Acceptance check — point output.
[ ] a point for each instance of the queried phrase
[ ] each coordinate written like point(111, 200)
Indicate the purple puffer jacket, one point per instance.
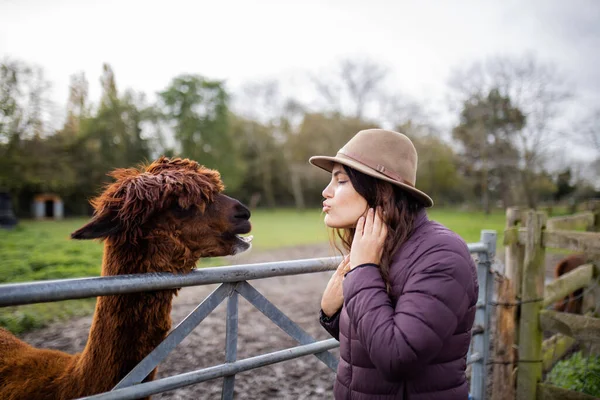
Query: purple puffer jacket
point(413, 343)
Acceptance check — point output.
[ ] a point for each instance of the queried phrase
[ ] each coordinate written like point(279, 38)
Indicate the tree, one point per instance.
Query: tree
point(264, 122)
point(563, 184)
point(318, 134)
point(589, 135)
point(437, 171)
point(101, 140)
point(24, 107)
point(486, 130)
point(263, 158)
point(350, 88)
point(77, 106)
point(288, 127)
point(198, 109)
point(115, 130)
point(538, 89)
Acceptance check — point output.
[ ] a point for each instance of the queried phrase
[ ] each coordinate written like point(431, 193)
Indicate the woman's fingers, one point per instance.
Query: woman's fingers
point(369, 222)
point(360, 225)
point(344, 264)
point(383, 233)
point(383, 226)
point(377, 222)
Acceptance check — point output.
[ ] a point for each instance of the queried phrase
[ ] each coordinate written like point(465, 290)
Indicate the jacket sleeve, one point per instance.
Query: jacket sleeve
point(402, 339)
point(331, 324)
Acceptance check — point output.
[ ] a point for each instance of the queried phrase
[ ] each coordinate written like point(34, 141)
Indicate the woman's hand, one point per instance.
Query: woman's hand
point(333, 296)
point(367, 245)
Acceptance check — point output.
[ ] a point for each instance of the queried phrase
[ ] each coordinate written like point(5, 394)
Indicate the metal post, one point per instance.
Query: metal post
point(481, 342)
point(488, 237)
point(231, 337)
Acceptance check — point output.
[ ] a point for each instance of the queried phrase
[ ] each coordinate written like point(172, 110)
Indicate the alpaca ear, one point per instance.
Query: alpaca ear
point(100, 227)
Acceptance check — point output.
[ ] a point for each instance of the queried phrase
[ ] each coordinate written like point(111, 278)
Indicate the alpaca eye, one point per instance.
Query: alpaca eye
point(181, 212)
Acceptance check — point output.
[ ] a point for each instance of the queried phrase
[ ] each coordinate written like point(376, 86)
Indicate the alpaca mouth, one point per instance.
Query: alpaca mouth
point(242, 244)
point(246, 239)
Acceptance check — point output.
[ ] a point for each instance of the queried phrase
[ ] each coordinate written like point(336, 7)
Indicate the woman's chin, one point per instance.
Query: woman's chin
point(331, 223)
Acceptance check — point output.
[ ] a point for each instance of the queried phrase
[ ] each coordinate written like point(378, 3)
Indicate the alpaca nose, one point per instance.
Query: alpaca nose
point(241, 212)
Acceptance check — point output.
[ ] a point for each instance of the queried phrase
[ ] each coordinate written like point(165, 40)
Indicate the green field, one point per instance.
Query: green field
point(43, 250)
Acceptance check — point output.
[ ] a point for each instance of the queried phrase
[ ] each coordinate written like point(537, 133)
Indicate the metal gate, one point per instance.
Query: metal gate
point(233, 283)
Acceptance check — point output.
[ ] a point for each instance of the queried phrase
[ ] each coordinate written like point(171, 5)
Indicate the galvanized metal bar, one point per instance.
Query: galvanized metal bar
point(478, 369)
point(476, 357)
point(282, 321)
point(231, 336)
point(489, 238)
point(190, 378)
point(481, 341)
point(477, 247)
point(65, 289)
point(176, 336)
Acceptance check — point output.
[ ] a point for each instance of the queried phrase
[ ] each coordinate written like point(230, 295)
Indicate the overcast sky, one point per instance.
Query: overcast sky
point(149, 42)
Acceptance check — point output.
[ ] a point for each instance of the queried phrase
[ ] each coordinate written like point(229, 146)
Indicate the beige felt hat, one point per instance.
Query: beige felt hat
point(383, 154)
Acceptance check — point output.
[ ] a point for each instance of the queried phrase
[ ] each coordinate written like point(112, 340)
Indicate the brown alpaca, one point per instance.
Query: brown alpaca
point(573, 302)
point(160, 218)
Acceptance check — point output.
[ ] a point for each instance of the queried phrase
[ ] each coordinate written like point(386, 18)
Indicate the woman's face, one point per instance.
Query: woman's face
point(342, 205)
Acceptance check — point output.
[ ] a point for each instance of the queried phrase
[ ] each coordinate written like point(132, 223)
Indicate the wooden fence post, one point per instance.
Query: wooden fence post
point(529, 372)
point(503, 378)
point(591, 303)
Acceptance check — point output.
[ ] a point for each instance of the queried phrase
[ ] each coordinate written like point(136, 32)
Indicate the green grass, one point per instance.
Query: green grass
point(43, 250)
point(286, 227)
point(469, 224)
point(281, 228)
point(40, 251)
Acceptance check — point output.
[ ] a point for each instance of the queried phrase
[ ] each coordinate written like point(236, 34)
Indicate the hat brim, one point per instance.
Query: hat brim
point(326, 163)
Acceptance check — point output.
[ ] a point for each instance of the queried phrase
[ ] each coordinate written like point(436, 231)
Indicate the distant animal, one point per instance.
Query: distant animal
point(572, 303)
point(161, 217)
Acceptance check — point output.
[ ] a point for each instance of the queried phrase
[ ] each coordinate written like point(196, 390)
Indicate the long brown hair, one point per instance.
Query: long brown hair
point(400, 209)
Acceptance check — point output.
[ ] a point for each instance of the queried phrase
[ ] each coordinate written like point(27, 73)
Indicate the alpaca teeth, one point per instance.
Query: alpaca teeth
point(247, 239)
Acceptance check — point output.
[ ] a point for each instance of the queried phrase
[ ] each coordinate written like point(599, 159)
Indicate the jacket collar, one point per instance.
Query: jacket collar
point(421, 219)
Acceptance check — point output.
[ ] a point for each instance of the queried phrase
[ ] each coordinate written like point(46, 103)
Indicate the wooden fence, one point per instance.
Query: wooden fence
point(521, 355)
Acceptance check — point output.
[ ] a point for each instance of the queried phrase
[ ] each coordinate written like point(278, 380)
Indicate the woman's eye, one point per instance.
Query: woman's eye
point(341, 182)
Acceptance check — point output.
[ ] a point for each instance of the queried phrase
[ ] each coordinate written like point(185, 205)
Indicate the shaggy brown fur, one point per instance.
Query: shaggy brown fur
point(573, 302)
point(160, 218)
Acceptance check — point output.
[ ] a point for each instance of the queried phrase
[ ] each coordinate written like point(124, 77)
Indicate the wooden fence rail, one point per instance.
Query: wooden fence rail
point(568, 240)
point(579, 278)
point(579, 327)
point(523, 297)
point(572, 222)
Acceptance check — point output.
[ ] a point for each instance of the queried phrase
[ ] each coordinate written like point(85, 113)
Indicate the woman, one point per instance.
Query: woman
point(402, 303)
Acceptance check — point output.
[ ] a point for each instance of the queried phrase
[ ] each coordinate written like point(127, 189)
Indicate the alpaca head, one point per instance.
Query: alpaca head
point(172, 211)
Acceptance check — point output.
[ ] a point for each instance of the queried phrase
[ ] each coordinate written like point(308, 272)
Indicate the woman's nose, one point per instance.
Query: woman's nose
point(326, 192)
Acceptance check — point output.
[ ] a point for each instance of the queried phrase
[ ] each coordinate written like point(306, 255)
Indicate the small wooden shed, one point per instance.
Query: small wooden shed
point(47, 206)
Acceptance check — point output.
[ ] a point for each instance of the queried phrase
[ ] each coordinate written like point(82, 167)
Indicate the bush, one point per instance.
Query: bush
point(577, 373)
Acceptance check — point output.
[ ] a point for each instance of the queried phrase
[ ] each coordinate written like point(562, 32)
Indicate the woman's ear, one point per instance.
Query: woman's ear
point(100, 227)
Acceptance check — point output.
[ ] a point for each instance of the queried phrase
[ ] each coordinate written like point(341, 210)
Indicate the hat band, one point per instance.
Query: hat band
point(377, 167)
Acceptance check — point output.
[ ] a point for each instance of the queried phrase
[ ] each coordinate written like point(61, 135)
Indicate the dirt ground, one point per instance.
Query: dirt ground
point(297, 296)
